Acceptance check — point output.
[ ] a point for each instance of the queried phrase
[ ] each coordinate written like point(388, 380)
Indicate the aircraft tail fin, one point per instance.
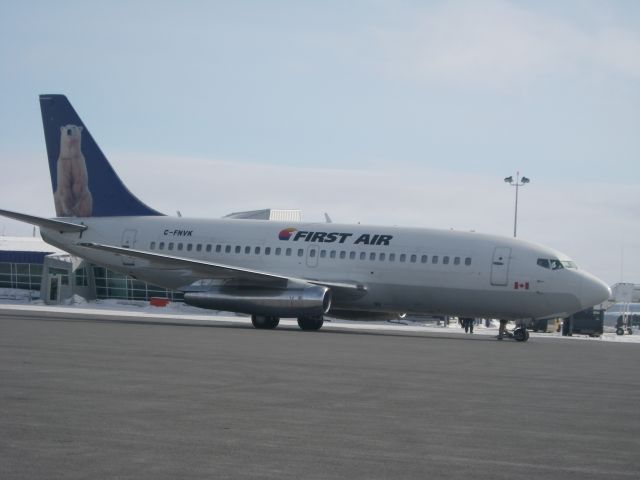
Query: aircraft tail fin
point(84, 183)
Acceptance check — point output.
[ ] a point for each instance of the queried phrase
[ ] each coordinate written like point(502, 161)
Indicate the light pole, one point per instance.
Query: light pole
point(518, 183)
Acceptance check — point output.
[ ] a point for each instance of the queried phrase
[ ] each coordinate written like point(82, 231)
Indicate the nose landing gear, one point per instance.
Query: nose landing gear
point(519, 333)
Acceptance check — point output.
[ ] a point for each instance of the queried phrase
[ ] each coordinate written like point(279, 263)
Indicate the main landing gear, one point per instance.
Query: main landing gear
point(262, 322)
point(310, 323)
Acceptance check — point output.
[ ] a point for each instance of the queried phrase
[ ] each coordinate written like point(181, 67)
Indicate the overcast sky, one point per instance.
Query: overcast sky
point(393, 113)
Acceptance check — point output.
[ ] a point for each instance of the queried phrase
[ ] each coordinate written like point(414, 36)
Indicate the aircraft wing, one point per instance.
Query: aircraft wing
point(226, 273)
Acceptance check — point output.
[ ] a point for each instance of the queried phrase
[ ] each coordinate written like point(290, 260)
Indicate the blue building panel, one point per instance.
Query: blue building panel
point(23, 257)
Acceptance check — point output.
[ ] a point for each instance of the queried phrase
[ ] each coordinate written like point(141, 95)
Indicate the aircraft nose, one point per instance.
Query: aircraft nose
point(594, 291)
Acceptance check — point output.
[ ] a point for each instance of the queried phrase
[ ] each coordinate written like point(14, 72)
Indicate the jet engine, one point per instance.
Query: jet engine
point(305, 301)
point(365, 315)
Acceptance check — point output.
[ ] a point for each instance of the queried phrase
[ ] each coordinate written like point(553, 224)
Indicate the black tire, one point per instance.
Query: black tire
point(620, 331)
point(264, 323)
point(310, 324)
point(629, 331)
point(520, 334)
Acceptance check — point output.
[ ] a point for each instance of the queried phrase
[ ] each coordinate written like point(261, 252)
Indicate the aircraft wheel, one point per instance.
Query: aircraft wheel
point(620, 331)
point(629, 331)
point(264, 323)
point(310, 323)
point(520, 334)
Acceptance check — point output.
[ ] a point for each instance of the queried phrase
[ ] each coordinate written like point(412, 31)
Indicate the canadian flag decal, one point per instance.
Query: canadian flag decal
point(523, 286)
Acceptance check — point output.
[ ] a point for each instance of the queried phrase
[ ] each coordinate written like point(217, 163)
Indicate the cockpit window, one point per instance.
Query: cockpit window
point(543, 262)
point(555, 264)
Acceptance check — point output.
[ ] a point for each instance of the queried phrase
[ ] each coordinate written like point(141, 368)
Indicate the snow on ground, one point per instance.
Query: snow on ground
point(23, 300)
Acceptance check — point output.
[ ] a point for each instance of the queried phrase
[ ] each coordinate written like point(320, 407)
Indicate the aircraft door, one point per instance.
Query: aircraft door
point(128, 241)
point(500, 266)
point(54, 289)
point(312, 256)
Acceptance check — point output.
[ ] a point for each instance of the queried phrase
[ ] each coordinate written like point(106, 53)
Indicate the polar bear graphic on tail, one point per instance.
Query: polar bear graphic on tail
point(72, 196)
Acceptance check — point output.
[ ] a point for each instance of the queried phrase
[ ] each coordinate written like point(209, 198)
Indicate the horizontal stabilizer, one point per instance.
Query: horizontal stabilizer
point(53, 224)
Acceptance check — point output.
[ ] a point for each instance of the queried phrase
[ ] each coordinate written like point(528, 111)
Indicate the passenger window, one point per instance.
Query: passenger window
point(372, 256)
point(381, 257)
point(312, 253)
point(456, 261)
point(445, 260)
point(392, 257)
point(218, 248)
point(238, 249)
point(180, 246)
point(424, 259)
point(467, 261)
point(323, 253)
point(247, 250)
point(403, 257)
point(414, 258)
point(543, 262)
point(152, 246)
point(343, 254)
point(332, 254)
point(434, 259)
point(288, 252)
point(352, 255)
point(300, 252)
point(161, 246)
point(170, 245)
point(227, 249)
point(267, 251)
point(363, 256)
point(199, 247)
point(189, 247)
point(257, 251)
point(278, 251)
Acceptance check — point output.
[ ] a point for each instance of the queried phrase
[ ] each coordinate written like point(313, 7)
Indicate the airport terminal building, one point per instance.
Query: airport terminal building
point(53, 275)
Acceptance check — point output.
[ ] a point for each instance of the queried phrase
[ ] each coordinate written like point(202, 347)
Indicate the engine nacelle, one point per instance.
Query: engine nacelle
point(365, 316)
point(291, 302)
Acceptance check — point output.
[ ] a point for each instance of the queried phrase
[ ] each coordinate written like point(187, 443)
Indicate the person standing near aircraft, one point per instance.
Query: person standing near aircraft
point(467, 324)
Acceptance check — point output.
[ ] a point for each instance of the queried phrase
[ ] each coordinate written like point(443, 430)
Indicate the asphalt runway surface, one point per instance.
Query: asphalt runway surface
point(109, 399)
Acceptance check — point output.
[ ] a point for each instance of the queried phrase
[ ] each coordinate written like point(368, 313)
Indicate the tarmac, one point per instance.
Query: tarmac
point(98, 397)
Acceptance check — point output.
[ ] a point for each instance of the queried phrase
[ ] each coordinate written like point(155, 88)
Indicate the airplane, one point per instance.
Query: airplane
point(272, 270)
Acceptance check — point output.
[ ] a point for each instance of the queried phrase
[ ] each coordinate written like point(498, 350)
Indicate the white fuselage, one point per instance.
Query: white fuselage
point(401, 269)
